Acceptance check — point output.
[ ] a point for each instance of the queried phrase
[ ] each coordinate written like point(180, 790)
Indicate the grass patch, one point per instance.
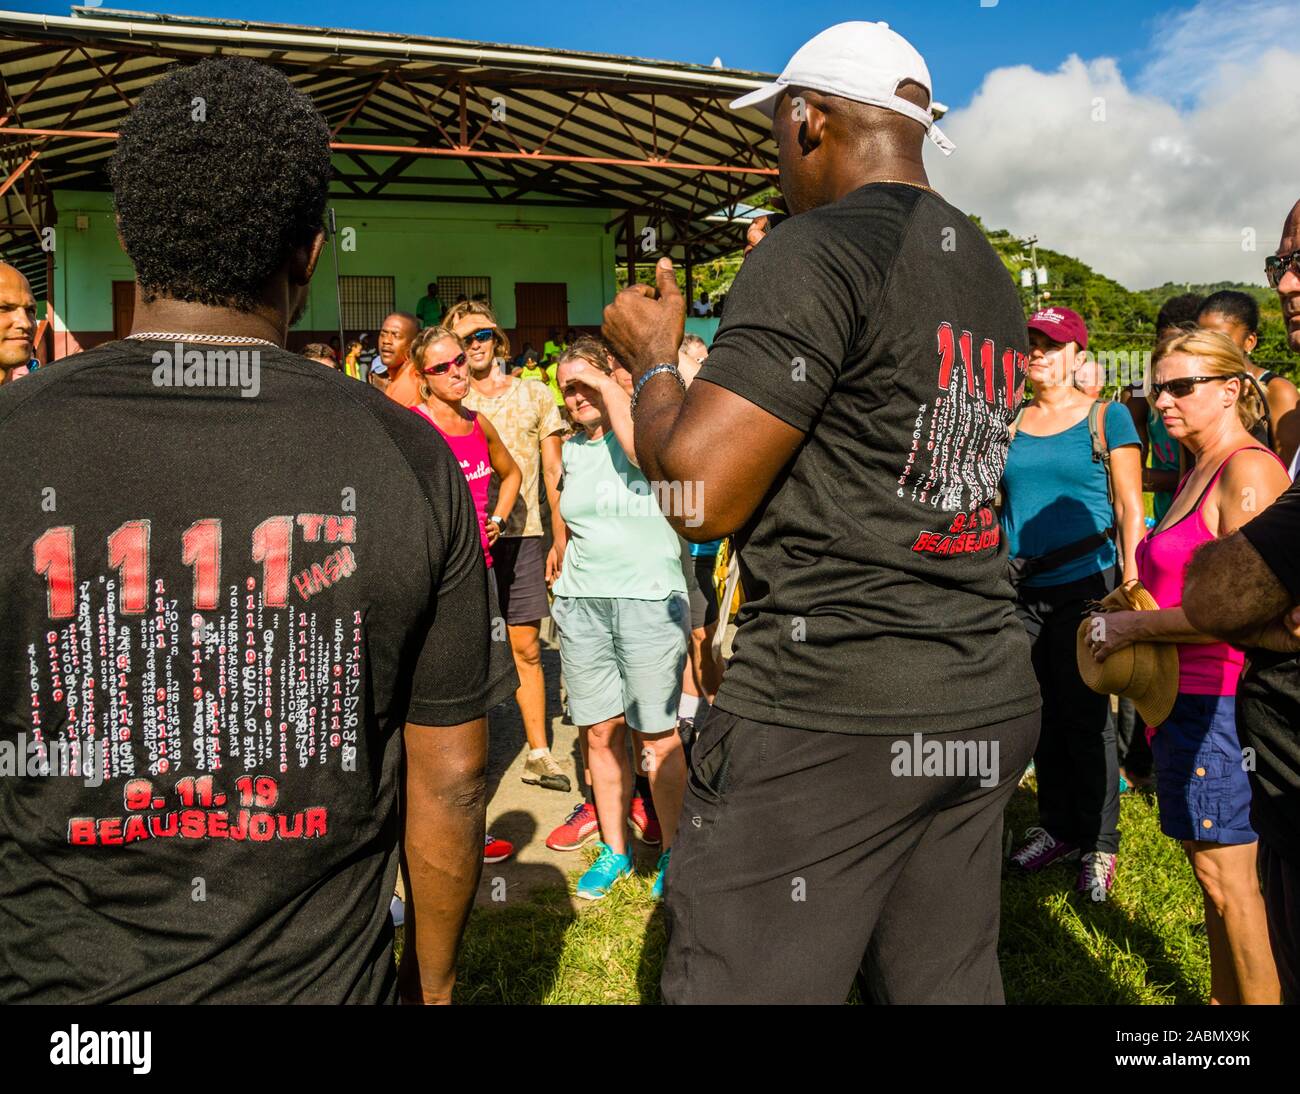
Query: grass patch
point(1145, 945)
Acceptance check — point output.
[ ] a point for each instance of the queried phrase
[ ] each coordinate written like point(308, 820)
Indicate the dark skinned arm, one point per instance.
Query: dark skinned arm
point(676, 435)
point(1230, 591)
point(443, 820)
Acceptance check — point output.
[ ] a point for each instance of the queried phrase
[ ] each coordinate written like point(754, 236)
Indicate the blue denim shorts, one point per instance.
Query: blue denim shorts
point(1201, 787)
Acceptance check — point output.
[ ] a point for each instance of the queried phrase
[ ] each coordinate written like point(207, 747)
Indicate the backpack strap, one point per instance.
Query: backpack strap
point(1100, 451)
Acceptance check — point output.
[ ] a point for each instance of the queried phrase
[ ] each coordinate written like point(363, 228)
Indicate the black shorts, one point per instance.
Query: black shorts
point(519, 563)
point(1281, 884)
point(705, 594)
point(805, 860)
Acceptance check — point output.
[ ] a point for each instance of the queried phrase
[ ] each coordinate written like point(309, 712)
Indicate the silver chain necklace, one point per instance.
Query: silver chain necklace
point(223, 339)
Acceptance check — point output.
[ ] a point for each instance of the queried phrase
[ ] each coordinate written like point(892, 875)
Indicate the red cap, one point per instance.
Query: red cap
point(1060, 325)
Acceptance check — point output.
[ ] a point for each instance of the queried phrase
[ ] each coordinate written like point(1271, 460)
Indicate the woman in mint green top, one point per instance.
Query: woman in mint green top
point(614, 526)
point(621, 612)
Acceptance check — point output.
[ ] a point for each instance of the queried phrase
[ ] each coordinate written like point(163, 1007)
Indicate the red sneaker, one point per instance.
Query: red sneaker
point(579, 828)
point(496, 850)
point(644, 822)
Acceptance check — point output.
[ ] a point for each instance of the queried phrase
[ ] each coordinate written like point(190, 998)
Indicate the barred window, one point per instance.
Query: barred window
point(451, 289)
point(366, 301)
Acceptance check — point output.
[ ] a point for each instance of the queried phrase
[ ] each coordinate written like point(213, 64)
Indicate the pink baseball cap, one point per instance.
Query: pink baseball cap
point(1060, 325)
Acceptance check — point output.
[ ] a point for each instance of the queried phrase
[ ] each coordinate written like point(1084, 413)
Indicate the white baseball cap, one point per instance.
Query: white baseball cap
point(864, 62)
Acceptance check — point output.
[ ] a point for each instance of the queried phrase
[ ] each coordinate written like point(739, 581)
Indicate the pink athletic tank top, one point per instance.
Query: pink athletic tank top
point(471, 452)
point(1162, 558)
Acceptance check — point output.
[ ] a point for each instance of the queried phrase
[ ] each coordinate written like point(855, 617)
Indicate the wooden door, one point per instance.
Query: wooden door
point(123, 307)
point(539, 307)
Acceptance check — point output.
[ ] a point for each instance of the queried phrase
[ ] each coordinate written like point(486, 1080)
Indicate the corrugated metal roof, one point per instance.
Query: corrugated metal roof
point(649, 140)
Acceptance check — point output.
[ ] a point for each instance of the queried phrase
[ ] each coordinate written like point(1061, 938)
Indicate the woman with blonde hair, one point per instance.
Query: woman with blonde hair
point(1202, 392)
point(533, 429)
point(437, 358)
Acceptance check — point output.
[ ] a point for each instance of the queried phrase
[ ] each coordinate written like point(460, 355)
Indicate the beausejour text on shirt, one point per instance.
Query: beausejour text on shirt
point(224, 611)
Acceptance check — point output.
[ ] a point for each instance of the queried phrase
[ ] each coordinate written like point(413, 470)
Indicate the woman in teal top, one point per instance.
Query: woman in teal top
point(621, 612)
point(1062, 530)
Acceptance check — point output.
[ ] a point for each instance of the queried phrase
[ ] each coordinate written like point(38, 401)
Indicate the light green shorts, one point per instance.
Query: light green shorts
point(623, 656)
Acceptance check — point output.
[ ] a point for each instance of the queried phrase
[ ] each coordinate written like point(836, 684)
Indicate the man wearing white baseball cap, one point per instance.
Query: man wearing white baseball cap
point(844, 813)
point(863, 62)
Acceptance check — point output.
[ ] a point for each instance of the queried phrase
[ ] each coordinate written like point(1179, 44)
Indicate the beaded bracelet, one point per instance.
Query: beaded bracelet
point(636, 392)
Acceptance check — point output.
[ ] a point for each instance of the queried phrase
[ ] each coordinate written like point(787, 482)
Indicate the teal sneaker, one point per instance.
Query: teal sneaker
point(657, 889)
point(601, 874)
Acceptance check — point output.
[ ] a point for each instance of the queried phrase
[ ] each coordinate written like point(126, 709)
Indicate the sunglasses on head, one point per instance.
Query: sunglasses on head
point(439, 369)
point(483, 334)
point(1185, 385)
point(1276, 266)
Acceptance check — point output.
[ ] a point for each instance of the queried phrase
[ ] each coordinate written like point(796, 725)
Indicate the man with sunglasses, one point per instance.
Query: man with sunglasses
point(1283, 272)
point(1245, 589)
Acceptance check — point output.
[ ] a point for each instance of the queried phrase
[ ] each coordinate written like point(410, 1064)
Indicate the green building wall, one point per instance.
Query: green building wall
point(414, 242)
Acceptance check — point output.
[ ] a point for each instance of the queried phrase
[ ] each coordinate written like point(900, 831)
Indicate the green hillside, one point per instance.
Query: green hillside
point(1117, 318)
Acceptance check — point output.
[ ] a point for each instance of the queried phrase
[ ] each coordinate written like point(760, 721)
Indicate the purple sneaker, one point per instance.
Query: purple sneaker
point(1041, 850)
point(1097, 874)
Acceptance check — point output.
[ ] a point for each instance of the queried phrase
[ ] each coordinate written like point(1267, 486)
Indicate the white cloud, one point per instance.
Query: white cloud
point(1147, 181)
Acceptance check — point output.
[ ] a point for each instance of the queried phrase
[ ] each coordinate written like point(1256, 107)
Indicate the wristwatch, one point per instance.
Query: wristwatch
point(498, 521)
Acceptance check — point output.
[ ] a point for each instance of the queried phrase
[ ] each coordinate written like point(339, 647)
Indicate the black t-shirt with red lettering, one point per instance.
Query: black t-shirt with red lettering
point(884, 327)
point(1268, 695)
point(227, 586)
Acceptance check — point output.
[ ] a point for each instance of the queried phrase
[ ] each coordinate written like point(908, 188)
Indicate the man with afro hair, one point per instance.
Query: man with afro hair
point(246, 612)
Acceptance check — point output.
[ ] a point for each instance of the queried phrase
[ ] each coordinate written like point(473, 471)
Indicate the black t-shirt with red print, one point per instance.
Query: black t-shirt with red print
point(219, 613)
point(886, 328)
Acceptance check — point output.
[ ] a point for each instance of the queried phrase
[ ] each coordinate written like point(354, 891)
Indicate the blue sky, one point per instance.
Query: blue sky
point(960, 40)
point(1147, 137)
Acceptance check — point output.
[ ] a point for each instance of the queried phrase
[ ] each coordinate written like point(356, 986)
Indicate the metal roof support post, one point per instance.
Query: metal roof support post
point(47, 355)
point(629, 241)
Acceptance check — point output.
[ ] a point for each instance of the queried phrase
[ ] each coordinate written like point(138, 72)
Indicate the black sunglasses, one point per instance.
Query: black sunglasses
point(485, 334)
point(439, 369)
point(1185, 385)
point(1276, 266)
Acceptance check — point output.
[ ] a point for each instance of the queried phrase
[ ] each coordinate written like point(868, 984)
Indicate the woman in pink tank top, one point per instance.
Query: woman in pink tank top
point(1202, 395)
point(439, 356)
